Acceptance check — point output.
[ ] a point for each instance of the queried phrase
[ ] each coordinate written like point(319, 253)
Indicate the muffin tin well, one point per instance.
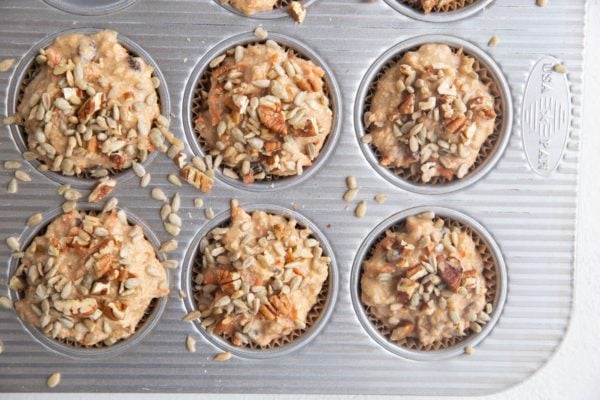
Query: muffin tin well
point(199, 81)
point(453, 11)
point(494, 272)
point(28, 68)
point(73, 349)
point(491, 150)
point(316, 319)
point(84, 7)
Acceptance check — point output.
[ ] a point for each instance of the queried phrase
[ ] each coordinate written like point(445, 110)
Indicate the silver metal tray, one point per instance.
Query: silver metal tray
point(527, 204)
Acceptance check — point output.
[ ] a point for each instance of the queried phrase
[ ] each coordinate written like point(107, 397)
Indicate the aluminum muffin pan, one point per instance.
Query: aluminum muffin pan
point(469, 10)
point(97, 7)
point(296, 339)
point(530, 215)
point(192, 95)
point(76, 351)
point(280, 10)
point(493, 147)
point(24, 74)
point(453, 349)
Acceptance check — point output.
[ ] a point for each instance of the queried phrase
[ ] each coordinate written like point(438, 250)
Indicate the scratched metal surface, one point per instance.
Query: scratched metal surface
point(532, 217)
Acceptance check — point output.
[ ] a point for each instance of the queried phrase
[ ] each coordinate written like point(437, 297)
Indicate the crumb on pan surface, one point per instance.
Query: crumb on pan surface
point(430, 114)
point(266, 112)
point(91, 106)
point(426, 281)
point(88, 279)
point(259, 279)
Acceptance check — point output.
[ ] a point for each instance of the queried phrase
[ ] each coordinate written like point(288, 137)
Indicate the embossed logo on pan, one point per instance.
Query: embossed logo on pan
point(546, 116)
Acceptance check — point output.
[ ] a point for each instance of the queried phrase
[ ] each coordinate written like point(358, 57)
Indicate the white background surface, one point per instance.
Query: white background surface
point(574, 372)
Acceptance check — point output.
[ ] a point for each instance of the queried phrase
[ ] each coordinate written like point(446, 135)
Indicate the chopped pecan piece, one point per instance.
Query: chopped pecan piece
point(196, 178)
point(273, 119)
point(89, 108)
point(407, 286)
point(416, 272)
point(407, 107)
point(455, 124)
point(450, 271)
point(404, 329)
point(102, 189)
point(297, 11)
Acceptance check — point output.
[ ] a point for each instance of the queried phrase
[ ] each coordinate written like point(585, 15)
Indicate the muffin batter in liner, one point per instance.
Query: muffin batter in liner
point(150, 312)
point(489, 273)
point(199, 105)
point(453, 5)
point(312, 317)
point(34, 69)
point(413, 175)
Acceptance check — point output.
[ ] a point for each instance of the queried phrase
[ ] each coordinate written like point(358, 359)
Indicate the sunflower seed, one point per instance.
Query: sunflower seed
point(170, 264)
point(218, 60)
point(469, 350)
point(168, 246)
point(222, 356)
point(68, 206)
point(209, 213)
point(53, 380)
point(110, 205)
point(174, 179)
point(351, 182)
point(261, 33)
point(13, 186)
point(176, 202)
point(454, 317)
point(174, 219)
point(194, 315)
point(165, 210)
point(350, 194)
point(190, 344)
point(145, 181)
point(6, 64)
point(139, 169)
point(158, 194)
point(493, 41)
point(172, 229)
point(34, 219)
point(475, 327)
point(561, 69)
point(13, 243)
point(153, 271)
point(12, 164)
point(198, 202)
point(361, 209)
point(22, 176)
point(5, 302)
point(380, 198)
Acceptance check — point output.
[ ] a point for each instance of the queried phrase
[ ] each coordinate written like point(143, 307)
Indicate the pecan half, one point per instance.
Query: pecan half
point(273, 119)
point(450, 271)
point(455, 124)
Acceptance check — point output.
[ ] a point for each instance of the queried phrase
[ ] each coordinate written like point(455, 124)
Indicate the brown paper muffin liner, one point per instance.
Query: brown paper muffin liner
point(148, 313)
point(489, 273)
point(29, 75)
point(201, 93)
point(413, 174)
point(311, 318)
point(450, 6)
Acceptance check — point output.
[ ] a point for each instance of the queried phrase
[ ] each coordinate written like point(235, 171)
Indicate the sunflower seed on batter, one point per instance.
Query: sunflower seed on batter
point(34, 219)
point(222, 356)
point(190, 344)
point(218, 60)
point(158, 194)
point(68, 206)
point(22, 176)
point(170, 264)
